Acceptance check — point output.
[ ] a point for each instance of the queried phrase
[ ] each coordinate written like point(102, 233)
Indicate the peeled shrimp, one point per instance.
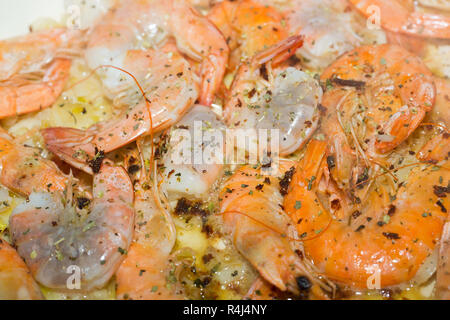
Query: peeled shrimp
point(194, 158)
point(376, 97)
point(392, 248)
point(16, 281)
point(401, 17)
point(34, 69)
point(55, 240)
point(286, 101)
point(252, 212)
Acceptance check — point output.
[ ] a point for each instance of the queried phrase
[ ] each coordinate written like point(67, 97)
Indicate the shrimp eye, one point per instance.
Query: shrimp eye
point(303, 283)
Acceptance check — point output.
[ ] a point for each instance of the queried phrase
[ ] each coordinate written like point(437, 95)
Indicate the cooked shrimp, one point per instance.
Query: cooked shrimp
point(401, 17)
point(55, 240)
point(351, 252)
point(34, 69)
point(144, 273)
point(252, 212)
point(172, 89)
point(148, 23)
point(328, 28)
point(443, 269)
point(16, 282)
point(287, 101)
point(194, 158)
point(24, 171)
point(376, 97)
point(438, 148)
point(248, 27)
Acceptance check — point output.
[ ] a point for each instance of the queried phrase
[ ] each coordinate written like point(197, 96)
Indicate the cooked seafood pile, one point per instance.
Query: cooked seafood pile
point(247, 149)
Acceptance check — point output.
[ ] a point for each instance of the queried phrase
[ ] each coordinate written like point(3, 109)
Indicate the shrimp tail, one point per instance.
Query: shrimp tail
point(70, 145)
point(21, 99)
point(279, 52)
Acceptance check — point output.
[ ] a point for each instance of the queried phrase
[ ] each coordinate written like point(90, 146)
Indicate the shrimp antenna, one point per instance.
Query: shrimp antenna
point(147, 101)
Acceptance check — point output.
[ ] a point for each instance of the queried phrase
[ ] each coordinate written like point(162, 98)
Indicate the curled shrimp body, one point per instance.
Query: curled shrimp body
point(34, 69)
point(172, 89)
point(376, 97)
point(248, 27)
point(16, 282)
point(194, 158)
point(351, 252)
point(252, 212)
point(149, 22)
point(55, 241)
point(144, 272)
point(401, 17)
point(287, 101)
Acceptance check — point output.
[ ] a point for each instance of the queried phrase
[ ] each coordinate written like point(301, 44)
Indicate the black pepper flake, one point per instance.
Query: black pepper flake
point(331, 162)
point(440, 205)
point(391, 235)
point(185, 207)
point(263, 72)
point(134, 168)
point(441, 191)
point(96, 162)
point(82, 202)
point(349, 83)
point(286, 180)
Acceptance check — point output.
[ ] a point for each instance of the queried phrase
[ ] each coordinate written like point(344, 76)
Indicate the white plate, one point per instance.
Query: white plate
point(17, 15)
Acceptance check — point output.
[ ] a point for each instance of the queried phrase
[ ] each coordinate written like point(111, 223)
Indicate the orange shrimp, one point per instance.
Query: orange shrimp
point(24, 171)
point(16, 282)
point(252, 212)
point(400, 17)
point(34, 69)
point(137, 24)
point(438, 148)
point(171, 88)
point(248, 27)
point(375, 97)
point(144, 273)
point(391, 238)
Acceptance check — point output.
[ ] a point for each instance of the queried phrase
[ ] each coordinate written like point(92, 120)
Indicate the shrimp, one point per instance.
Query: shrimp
point(16, 282)
point(401, 17)
point(143, 274)
point(149, 22)
point(194, 157)
point(24, 171)
point(443, 269)
point(248, 26)
point(287, 101)
point(376, 97)
point(34, 69)
point(172, 90)
point(390, 237)
point(328, 28)
point(438, 148)
point(56, 240)
point(252, 213)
